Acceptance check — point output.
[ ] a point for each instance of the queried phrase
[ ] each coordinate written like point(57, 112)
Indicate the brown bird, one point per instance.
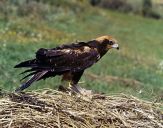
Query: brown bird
point(70, 61)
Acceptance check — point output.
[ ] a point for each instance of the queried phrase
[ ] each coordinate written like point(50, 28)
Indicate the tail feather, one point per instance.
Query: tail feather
point(28, 63)
point(30, 74)
point(28, 70)
point(31, 80)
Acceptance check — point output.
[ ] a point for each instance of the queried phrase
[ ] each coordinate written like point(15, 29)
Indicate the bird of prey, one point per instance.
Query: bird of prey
point(69, 61)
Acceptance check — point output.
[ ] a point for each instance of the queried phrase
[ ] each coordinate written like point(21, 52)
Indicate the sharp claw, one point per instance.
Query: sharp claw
point(77, 89)
point(74, 89)
point(69, 84)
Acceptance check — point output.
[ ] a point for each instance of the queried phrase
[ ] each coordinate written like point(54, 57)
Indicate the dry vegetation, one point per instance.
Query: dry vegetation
point(26, 27)
point(51, 108)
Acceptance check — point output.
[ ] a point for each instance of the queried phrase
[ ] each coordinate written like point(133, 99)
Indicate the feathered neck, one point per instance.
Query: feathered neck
point(102, 48)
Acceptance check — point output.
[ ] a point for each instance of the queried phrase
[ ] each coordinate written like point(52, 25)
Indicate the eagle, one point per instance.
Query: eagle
point(68, 61)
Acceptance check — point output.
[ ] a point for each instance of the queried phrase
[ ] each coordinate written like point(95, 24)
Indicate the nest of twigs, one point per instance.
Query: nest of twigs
point(49, 109)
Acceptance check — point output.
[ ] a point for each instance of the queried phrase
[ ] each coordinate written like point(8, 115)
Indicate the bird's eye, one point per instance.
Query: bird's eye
point(111, 42)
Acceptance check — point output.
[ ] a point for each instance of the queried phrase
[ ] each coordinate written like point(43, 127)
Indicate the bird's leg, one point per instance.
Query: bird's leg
point(73, 89)
point(69, 87)
point(69, 84)
point(64, 87)
point(76, 88)
point(66, 82)
point(81, 90)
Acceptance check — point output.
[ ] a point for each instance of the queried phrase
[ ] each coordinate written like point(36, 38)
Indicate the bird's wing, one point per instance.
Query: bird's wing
point(66, 59)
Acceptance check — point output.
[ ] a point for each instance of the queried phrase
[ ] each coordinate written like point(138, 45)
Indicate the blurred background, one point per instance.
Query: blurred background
point(137, 68)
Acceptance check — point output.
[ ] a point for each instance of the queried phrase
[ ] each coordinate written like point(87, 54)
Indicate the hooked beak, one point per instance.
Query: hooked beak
point(115, 46)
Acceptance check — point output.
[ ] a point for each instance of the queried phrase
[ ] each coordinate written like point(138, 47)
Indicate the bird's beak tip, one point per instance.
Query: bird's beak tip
point(115, 46)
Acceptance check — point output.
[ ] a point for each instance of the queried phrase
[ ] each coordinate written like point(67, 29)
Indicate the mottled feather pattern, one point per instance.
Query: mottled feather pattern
point(66, 59)
point(63, 57)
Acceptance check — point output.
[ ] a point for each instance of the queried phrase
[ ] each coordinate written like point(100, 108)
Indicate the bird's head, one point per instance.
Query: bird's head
point(108, 41)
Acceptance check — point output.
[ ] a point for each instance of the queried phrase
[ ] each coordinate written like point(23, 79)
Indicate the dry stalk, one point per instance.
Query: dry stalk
point(50, 108)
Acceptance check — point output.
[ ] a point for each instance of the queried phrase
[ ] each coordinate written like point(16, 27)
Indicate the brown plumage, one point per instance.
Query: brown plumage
point(70, 61)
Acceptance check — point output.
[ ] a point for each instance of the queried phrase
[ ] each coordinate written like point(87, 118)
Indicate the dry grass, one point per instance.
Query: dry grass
point(51, 109)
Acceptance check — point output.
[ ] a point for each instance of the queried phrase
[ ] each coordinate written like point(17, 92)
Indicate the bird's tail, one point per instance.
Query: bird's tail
point(35, 77)
point(28, 63)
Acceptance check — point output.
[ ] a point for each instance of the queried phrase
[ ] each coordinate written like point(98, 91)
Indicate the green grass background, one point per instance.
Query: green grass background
point(140, 56)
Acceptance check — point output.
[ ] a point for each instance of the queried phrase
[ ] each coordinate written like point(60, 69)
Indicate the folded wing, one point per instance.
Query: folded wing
point(68, 59)
point(52, 62)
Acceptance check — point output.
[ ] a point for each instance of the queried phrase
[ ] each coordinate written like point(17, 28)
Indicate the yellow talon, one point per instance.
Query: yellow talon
point(69, 84)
